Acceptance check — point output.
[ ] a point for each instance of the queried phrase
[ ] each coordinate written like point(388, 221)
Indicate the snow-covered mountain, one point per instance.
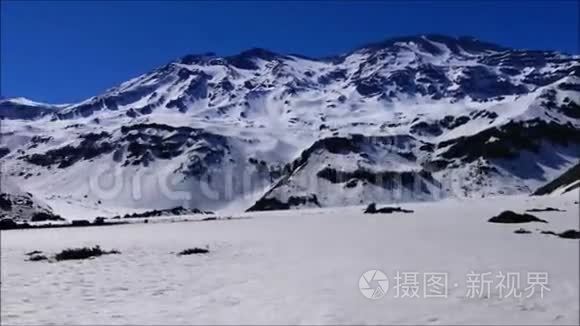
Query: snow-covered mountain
point(411, 118)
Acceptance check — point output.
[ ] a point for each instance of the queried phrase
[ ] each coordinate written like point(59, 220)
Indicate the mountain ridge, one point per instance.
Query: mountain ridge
point(386, 42)
point(425, 109)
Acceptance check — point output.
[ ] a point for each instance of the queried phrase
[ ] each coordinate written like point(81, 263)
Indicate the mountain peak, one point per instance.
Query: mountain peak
point(260, 53)
point(427, 43)
point(21, 101)
point(467, 43)
point(246, 59)
point(197, 58)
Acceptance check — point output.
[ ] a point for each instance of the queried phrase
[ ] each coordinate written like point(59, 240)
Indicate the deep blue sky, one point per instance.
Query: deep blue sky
point(70, 50)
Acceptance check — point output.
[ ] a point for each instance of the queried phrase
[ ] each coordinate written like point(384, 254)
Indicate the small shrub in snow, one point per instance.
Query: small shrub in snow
point(37, 257)
point(193, 251)
point(83, 253)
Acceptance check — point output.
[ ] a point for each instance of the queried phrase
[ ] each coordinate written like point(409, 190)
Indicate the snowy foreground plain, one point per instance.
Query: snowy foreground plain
point(296, 267)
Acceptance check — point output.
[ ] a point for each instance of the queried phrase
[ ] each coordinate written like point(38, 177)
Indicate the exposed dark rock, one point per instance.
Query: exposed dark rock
point(369, 87)
point(37, 257)
point(547, 209)
point(246, 59)
point(385, 179)
point(131, 113)
point(359, 144)
point(451, 122)
point(426, 129)
point(521, 58)
point(549, 232)
point(510, 71)
point(143, 143)
point(197, 89)
point(570, 109)
point(92, 145)
point(332, 76)
point(4, 151)
point(36, 140)
point(483, 114)
point(436, 165)
point(480, 83)
point(5, 202)
point(45, 216)
point(355, 143)
point(176, 211)
point(512, 217)
point(567, 178)
point(436, 128)
point(7, 224)
point(522, 231)
point(99, 221)
point(509, 140)
point(352, 183)
point(165, 142)
point(570, 234)
point(80, 223)
point(427, 147)
point(404, 80)
point(271, 204)
point(372, 209)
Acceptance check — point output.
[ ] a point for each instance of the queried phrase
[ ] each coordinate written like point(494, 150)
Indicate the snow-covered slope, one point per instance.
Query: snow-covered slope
point(564, 183)
point(18, 205)
point(24, 109)
point(457, 116)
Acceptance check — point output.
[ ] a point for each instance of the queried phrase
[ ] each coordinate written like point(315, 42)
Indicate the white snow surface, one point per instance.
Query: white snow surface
point(297, 267)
